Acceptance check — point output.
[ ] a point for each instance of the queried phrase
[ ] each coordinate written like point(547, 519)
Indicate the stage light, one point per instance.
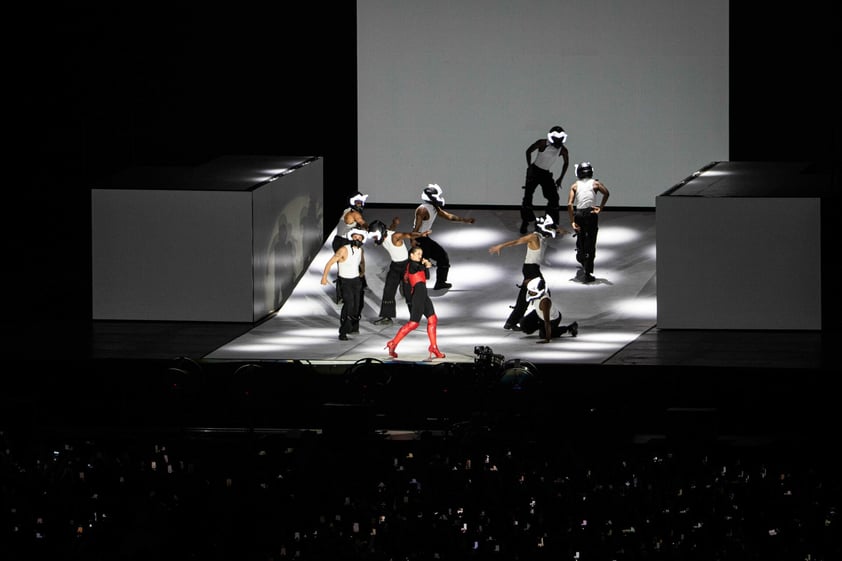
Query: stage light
point(518, 374)
point(245, 379)
point(184, 375)
point(368, 374)
point(486, 358)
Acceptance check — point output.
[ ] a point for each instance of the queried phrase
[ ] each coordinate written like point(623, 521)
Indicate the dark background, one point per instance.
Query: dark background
point(97, 90)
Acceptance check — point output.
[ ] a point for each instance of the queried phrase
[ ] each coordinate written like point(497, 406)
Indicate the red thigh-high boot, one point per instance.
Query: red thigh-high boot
point(432, 321)
point(405, 328)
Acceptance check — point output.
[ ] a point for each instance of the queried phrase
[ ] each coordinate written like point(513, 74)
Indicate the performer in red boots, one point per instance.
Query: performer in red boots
point(417, 273)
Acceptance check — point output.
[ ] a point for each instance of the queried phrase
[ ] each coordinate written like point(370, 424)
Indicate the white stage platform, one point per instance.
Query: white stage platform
point(611, 312)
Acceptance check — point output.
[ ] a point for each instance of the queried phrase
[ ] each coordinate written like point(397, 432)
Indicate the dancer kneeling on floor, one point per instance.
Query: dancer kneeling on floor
point(542, 315)
point(416, 275)
point(531, 269)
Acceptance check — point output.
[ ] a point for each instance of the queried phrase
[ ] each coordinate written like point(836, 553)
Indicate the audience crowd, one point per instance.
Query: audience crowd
point(464, 494)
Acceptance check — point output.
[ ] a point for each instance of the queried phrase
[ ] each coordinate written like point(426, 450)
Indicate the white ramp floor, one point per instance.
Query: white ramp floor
point(611, 312)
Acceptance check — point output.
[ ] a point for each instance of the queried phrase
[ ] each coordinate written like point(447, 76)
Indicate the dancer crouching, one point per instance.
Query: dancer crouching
point(416, 275)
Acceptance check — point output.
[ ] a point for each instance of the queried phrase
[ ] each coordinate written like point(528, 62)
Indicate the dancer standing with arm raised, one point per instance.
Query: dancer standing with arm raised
point(432, 206)
point(352, 218)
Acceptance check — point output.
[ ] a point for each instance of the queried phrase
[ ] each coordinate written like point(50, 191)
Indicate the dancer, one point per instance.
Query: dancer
point(352, 218)
point(543, 315)
point(531, 269)
point(351, 268)
point(540, 173)
point(425, 214)
point(584, 217)
point(416, 275)
point(394, 243)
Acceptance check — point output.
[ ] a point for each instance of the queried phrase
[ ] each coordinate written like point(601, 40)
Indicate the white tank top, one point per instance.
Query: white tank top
point(534, 305)
point(433, 212)
point(350, 268)
point(585, 193)
point(396, 252)
point(535, 256)
point(546, 158)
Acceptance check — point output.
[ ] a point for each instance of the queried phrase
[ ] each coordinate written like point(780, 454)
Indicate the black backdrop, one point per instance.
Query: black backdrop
point(101, 89)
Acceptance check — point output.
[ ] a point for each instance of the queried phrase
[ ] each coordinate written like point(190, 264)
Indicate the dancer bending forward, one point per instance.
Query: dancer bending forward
point(416, 275)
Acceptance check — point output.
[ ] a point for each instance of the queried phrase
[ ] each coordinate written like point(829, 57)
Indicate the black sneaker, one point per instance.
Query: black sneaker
point(383, 321)
point(589, 278)
point(512, 327)
point(343, 337)
point(573, 328)
point(442, 286)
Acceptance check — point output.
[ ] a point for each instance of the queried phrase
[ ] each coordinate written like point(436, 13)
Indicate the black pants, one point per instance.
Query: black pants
point(435, 253)
point(339, 241)
point(530, 271)
point(536, 176)
point(390, 288)
point(352, 304)
point(422, 305)
point(532, 322)
point(588, 222)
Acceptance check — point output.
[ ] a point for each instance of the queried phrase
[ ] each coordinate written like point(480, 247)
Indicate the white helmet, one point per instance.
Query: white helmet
point(377, 231)
point(535, 289)
point(433, 194)
point(359, 231)
point(358, 197)
point(545, 226)
point(556, 136)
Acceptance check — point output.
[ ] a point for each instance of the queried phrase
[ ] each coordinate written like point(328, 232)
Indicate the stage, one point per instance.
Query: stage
point(616, 313)
point(291, 371)
point(611, 312)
